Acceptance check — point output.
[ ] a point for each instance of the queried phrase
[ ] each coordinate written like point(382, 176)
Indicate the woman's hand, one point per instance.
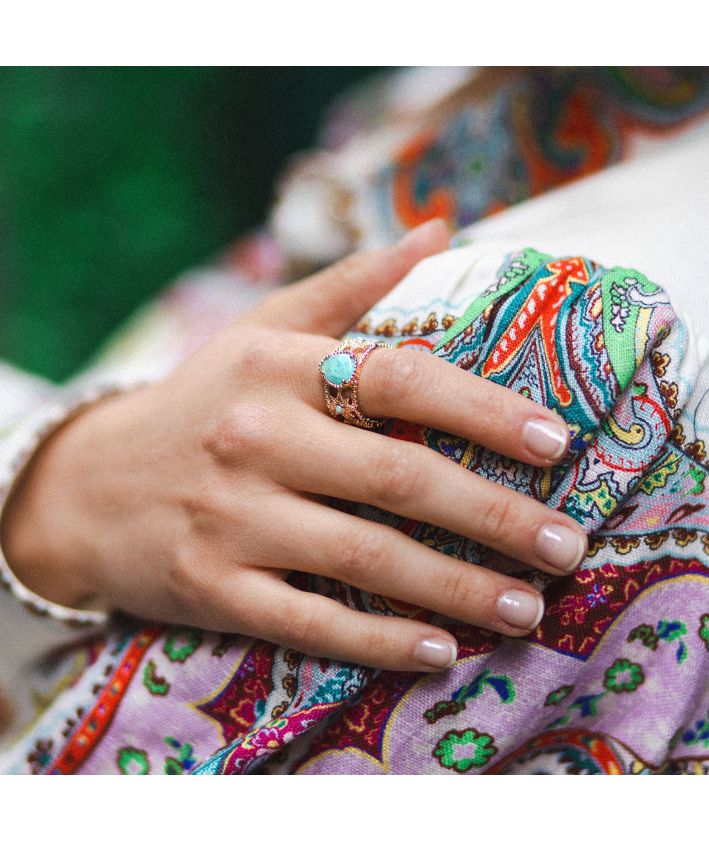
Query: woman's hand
point(190, 500)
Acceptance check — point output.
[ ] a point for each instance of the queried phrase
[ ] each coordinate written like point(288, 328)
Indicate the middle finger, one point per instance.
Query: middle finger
point(348, 463)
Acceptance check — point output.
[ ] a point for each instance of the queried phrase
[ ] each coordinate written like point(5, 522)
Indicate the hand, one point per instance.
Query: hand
point(190, 500)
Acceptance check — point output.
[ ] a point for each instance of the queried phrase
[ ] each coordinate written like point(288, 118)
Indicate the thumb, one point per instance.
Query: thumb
point(332, 300)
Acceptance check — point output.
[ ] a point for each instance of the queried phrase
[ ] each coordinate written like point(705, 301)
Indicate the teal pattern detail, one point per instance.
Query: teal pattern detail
point(514, 272)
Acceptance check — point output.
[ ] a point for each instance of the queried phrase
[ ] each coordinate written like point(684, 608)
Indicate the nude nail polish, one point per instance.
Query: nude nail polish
point(521, 609)
point(561, 547)
point(546, 440)
point(438, 653)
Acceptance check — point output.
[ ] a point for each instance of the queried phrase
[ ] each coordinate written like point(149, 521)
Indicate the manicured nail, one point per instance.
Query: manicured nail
point(415, 233)
point(440, 654)
point(521, 609)
point(546, 440)
point(561, 547)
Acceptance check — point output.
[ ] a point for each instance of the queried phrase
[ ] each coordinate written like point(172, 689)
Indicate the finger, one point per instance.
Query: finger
point(349, 463)
point(321, 627)
point(331, 301)
point(423, 389)
point(426, 390)
point(379, 559)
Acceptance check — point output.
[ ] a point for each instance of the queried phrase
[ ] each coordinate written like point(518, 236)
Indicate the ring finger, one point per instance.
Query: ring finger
point(424, 389)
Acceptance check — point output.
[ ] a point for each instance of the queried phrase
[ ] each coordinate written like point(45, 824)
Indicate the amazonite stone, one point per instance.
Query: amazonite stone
point(338, 369)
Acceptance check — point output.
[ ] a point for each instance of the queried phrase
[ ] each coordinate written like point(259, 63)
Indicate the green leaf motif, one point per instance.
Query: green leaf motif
point(625, 344)
point(185, 760)
point(699, 477)
point(182, 644)
point(441, 709)
point(704, 629)
point(155, 684)
point(471, 690)
point(646, 635)
point(132, 761)
point(558, 695)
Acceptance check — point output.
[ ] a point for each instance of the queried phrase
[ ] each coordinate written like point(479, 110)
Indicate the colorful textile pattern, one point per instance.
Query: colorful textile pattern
point(540, 130)
point(613, 681)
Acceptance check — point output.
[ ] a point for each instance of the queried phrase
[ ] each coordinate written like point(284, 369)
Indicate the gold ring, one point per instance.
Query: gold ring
point(340, 371)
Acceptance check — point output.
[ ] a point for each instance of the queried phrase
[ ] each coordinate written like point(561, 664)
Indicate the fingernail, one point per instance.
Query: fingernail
point(561, 547)
point(521, 609)
point(415, 233)
point(440, 654)
point(545, 439)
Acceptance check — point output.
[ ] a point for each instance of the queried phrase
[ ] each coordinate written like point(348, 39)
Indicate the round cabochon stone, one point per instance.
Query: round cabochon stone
point(338, 369)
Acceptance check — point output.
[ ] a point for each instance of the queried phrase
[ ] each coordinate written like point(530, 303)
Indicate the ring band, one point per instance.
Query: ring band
point(340, 371)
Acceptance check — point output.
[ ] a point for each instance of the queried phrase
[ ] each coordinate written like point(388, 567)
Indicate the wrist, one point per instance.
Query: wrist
point(44, 530)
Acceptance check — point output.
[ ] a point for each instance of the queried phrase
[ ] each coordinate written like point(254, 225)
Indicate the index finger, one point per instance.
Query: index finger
point(426, 390)
point(329, 302)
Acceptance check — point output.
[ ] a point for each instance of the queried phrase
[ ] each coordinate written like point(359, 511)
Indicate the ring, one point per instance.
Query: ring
point(340, 371)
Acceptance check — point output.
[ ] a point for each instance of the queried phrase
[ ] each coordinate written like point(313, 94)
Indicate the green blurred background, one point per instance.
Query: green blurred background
point(113, 180)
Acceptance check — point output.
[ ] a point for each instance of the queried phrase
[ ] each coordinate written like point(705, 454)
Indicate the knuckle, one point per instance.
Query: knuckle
point(459, 592)
point(498, 515)
point(395, 476)
point(245, 430)
point(348, 269)
point(397, 375)
point(187, 584)
point(361, 556)
point(301, 627)
point(260, 359)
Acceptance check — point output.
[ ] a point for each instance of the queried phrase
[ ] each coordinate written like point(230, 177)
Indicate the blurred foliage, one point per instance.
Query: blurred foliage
point(113, 180)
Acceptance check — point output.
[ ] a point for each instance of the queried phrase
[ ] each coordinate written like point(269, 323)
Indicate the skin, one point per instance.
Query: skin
point(163, 502)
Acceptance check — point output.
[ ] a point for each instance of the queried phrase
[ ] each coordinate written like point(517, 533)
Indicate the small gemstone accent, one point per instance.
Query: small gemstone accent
point(339, 410)
point(339, 368)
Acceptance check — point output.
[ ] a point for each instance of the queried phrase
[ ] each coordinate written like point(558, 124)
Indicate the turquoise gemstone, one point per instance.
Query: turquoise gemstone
point(338, 369)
